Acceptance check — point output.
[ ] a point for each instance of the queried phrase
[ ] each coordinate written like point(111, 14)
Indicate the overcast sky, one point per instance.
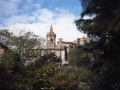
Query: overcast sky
point(37, 16)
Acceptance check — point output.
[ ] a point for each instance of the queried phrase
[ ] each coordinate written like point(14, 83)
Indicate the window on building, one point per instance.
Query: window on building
point(51, 40)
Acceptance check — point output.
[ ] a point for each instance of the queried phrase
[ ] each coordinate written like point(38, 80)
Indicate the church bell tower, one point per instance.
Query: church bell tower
point(51, 38)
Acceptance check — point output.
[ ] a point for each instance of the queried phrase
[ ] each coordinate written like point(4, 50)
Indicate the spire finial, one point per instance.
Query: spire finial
point(51, 28)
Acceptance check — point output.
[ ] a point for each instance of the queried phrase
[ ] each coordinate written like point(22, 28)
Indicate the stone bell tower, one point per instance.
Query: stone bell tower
point(51, 38)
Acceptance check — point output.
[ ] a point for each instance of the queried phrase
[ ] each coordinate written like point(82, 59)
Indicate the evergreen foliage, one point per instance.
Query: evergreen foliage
point(103, 28)
point(78, 57)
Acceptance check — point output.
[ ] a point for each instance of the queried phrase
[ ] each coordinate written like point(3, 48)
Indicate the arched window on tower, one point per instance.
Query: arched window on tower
point(51, 40)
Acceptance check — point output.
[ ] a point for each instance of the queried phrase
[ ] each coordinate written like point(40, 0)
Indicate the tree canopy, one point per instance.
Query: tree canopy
point(104, 16)
point(104, 24)
point(79, 58)
point(21, 41)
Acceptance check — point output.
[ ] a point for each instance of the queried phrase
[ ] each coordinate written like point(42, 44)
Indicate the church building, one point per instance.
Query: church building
point(61, 49)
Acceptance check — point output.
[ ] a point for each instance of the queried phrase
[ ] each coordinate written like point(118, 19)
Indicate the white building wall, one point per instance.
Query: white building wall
point(63, 58)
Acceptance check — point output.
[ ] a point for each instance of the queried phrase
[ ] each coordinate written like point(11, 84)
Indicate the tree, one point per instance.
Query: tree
point(78, 57)
point(50, 57)
point(21, 41)
point(103, 28)
point(104, 16)
point(5, 36)
point(10, 67)
point(46, 75)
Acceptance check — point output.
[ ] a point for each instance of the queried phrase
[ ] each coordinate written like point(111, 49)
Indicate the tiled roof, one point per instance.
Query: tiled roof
point(68, 42)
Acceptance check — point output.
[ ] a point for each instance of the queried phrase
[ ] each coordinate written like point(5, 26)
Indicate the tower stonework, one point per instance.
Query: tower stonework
point(51, 39)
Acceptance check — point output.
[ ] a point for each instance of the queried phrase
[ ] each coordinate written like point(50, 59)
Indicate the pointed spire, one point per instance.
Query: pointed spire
point(51, 28)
